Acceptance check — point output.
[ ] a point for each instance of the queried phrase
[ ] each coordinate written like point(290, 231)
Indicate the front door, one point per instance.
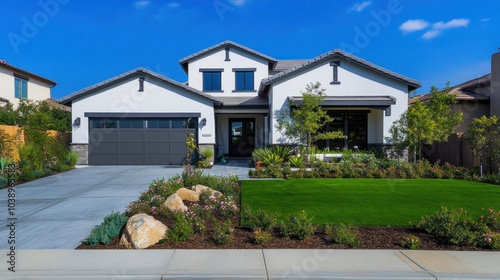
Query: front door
point(241, 137)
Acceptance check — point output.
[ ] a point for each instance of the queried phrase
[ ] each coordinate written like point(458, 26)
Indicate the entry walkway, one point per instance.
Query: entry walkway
point(251, 264)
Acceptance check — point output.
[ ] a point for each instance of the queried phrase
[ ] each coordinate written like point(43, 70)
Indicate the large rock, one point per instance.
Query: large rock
point(174, 203)
point(200, 188)
point(188, 195)
point(142, 231)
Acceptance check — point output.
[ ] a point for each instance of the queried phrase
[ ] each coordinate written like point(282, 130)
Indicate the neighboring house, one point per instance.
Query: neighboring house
point(475, 98)
point(17, 84)
point(230, 103)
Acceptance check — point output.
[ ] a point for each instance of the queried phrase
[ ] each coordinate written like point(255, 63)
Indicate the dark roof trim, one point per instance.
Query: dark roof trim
point(141, 115)
point(349, 101)
point(86, 91)
point(412, 84)
point(20, 72)
point(224, 45)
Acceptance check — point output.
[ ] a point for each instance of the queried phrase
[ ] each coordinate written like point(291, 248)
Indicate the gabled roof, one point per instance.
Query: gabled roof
point(13, 68)
point(68, 99)
point(184, 62)
point(412, 84)
point(463, 91)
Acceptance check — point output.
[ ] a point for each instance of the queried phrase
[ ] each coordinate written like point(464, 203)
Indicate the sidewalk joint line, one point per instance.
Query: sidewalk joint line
point(265, 263)
point(418, 264)
point(168, 264)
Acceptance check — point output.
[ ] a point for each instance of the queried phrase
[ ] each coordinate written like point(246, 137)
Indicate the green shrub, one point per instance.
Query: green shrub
point(107, 230)
point(137, 207)
point(489, 240)
point(297, 161)
point(491, 219)
point(258, 219)
point(259, 154)
point(72, 158)
point(273, 159)
point(411, 242)
point(283, 152)
point(202, 164)
point(261, 236)
point(347, 235)
point(297, 226)
point(182, 230)
point(493, 178)
point(455, 226)
point(223, 233)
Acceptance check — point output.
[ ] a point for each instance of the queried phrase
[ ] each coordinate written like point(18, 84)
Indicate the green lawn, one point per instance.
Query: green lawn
point(383, 202)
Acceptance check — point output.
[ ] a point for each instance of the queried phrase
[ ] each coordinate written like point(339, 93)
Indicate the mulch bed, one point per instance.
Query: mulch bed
point(371, 238)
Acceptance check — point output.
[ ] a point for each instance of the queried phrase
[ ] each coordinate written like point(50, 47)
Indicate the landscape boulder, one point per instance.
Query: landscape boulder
point(174, 203)
point(142, 231)
point(188, 195)
point(200, 188)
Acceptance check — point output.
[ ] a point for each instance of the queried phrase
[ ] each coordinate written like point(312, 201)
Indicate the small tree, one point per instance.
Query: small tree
point(483, 137)
point(304, 123)
point(426, 123)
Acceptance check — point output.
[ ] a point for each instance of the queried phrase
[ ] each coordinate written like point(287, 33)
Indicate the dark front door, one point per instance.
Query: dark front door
point(241, 137)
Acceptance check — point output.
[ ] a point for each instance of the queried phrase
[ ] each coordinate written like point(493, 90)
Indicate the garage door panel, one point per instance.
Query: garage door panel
point(158, 147)
point(104, 159)
point(105, 148)
point(131, 148)
point(157, 136)
point(137, 146)
point(131, 136)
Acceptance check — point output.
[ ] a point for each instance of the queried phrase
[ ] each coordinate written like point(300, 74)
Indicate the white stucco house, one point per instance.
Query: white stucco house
point(230, 103)
point(17, 84)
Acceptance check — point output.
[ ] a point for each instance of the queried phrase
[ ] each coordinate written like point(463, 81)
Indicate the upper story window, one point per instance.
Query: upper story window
point(212, 79)
point(244, 79)
point(21, 87)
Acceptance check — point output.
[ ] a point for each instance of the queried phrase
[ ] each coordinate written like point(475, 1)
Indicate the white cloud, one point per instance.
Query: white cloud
point(360, 6)
point(460, 22)
point(238, 3)
point(431, 34)
point(413, 25)
point(173, 5)
point(142, 4)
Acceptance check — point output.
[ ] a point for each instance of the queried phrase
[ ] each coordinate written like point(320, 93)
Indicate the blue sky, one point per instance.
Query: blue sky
point(79, 43)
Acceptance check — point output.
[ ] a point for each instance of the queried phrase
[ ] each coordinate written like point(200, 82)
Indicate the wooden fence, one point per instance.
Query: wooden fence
point(16, 138)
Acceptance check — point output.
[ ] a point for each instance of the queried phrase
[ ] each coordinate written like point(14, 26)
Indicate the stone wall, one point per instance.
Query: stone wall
point(83, 153)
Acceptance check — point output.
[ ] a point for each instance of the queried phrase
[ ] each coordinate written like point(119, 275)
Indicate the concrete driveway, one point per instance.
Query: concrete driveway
point(57, 212)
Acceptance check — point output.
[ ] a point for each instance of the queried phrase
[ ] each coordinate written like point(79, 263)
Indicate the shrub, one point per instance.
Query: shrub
point(72, 158)
point(283, 152)
point(261, 236)
point(347, 235)
point(202, 164)
point(493, 178)
point(491, 219)
point(197, 222)
point(182, 230)
point(273, 159)
point(454, 226)
point(411, 242)
point(107, 230)
point(223, 232)
point(297, 226)
point(137, 207)
point(258, 219)
point(297, 161)
point(489, 240)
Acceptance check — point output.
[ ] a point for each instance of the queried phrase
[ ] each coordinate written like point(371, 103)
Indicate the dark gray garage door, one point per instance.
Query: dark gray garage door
point(139, 141)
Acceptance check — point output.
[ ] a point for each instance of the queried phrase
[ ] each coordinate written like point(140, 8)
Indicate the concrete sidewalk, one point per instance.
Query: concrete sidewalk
point(251, 264)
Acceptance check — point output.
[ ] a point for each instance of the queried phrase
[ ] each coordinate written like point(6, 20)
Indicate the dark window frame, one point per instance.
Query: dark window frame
point(335, 65)
point(212, 75)
point(248, 82)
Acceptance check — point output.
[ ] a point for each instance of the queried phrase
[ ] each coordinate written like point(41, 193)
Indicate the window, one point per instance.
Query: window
point(159, 123)
point(104, 123)
point(335, 65)
point(354, 125)
point(21, 88)
point(244, 80)
point(133, 123)
point(212, 81)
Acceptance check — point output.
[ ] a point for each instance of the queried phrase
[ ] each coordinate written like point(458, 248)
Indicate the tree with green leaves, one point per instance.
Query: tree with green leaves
point(426, 122)
point(483, 138)
point(304, 123)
